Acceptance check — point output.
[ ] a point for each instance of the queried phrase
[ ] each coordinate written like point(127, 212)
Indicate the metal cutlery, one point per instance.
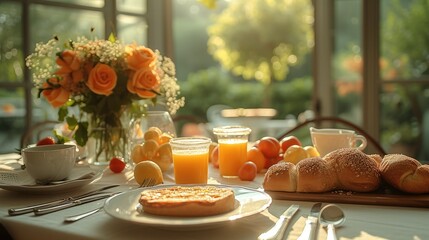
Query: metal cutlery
point(82, 215)
point(147, 182)
point(309, 232)
point(277, 231)
point(69, 204)
point(28, 209)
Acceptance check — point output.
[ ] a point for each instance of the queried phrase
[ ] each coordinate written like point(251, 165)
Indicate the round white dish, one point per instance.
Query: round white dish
point(126, 207)
point(83, 176)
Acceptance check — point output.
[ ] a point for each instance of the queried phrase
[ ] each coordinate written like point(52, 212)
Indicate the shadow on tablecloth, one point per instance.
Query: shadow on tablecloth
point(4, 234)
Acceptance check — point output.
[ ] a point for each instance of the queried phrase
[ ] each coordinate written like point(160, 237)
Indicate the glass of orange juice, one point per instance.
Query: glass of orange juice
point(232, 142)
point(190, 159)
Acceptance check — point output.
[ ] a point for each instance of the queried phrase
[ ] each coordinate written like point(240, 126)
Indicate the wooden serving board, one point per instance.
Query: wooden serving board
point(378, 198)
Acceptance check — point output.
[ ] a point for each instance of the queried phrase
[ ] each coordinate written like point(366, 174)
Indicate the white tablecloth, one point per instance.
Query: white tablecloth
point(363, 221)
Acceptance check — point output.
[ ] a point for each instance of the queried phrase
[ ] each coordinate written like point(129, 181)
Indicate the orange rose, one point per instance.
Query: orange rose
point(102, 79)
point(56, 94)
point(144, 82)
point(69, 65)
point(140, 57)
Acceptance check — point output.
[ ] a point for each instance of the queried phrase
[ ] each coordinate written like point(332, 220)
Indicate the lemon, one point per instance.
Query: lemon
point(312, 151)
point(152, 133)
point(294, 154)
point(137, 153)
point(148, 169)
point(164, 157)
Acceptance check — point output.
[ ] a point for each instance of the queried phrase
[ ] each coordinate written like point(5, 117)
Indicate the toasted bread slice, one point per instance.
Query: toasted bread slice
point(192, 201)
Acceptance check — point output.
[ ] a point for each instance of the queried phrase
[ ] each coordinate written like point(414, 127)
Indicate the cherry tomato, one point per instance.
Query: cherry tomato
point(116, 164)
point(247, 171)
point(46, 141)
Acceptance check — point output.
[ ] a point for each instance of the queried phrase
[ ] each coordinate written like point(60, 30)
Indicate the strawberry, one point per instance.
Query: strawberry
point(46, 141)
point(116, 165)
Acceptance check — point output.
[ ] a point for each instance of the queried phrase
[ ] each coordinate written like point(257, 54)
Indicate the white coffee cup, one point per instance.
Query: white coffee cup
point(326, 140)
point(49, 163)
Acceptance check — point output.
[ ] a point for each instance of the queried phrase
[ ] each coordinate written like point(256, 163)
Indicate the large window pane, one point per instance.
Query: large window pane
point(258, 32)
point(347, 64)
point(405, 39)
point(12, 115)
point(12, 107)
point(132, 29)
point(132, 6)
point(405, 119)
point(404, 71)
point(11, 57)
point(46, 22)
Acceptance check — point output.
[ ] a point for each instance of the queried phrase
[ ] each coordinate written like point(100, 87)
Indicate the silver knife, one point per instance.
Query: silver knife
point(309, 232)
point(28, 209)
point(277, 231)
point(46, 210)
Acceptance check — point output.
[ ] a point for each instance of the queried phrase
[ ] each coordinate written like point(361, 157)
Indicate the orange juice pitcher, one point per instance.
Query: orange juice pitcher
point(232, 142)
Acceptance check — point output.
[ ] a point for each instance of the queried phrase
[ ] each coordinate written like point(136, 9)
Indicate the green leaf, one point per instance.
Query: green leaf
point(72, 122)
point(81, 134)
point(62, 113)
point(112, 38)
point(60, 138)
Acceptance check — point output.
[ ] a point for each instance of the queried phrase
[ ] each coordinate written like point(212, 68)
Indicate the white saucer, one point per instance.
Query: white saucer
point(20, 181)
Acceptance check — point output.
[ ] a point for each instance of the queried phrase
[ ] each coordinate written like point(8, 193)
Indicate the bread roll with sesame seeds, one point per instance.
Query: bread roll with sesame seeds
point(405, 173)
point(343, 169)
point(315, 175)
point(355, 170)
point(280, 177)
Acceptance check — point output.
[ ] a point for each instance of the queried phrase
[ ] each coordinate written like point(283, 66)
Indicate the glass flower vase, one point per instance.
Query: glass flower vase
point(107, 139)
point(139, 125)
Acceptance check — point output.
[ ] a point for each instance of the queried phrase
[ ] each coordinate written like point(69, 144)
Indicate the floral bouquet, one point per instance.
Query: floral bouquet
point(104, 81)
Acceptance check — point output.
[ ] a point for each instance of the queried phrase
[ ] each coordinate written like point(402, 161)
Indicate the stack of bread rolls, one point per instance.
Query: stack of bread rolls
point(348, 169)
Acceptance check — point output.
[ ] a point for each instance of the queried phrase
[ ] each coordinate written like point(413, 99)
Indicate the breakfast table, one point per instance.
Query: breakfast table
point(363, 221)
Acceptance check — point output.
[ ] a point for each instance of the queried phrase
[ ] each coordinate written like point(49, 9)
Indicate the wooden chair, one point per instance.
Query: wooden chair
point(333, 121)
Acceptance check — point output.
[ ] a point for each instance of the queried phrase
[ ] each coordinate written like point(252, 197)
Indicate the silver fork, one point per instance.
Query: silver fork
point(147, 182)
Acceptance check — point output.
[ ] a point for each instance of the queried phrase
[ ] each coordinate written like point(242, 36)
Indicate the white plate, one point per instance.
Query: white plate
point(90, 176)
point(126, 207)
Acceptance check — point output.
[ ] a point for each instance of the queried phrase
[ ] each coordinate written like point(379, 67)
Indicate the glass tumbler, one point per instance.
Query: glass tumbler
point(190, 159)
point(232, 142)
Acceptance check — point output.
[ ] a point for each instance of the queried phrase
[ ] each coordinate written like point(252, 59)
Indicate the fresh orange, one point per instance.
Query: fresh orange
point(269, 146)
point(247, 171)
point(255, 155)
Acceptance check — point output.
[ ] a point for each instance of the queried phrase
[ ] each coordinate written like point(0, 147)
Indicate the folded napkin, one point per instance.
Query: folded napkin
point(22, 178)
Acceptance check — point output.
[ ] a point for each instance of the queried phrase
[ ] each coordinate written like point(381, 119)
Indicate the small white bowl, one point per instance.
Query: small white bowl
point(49, 163)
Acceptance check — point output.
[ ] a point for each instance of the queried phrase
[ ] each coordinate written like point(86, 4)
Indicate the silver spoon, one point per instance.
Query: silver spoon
point(331, 216)
point(82, 215)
